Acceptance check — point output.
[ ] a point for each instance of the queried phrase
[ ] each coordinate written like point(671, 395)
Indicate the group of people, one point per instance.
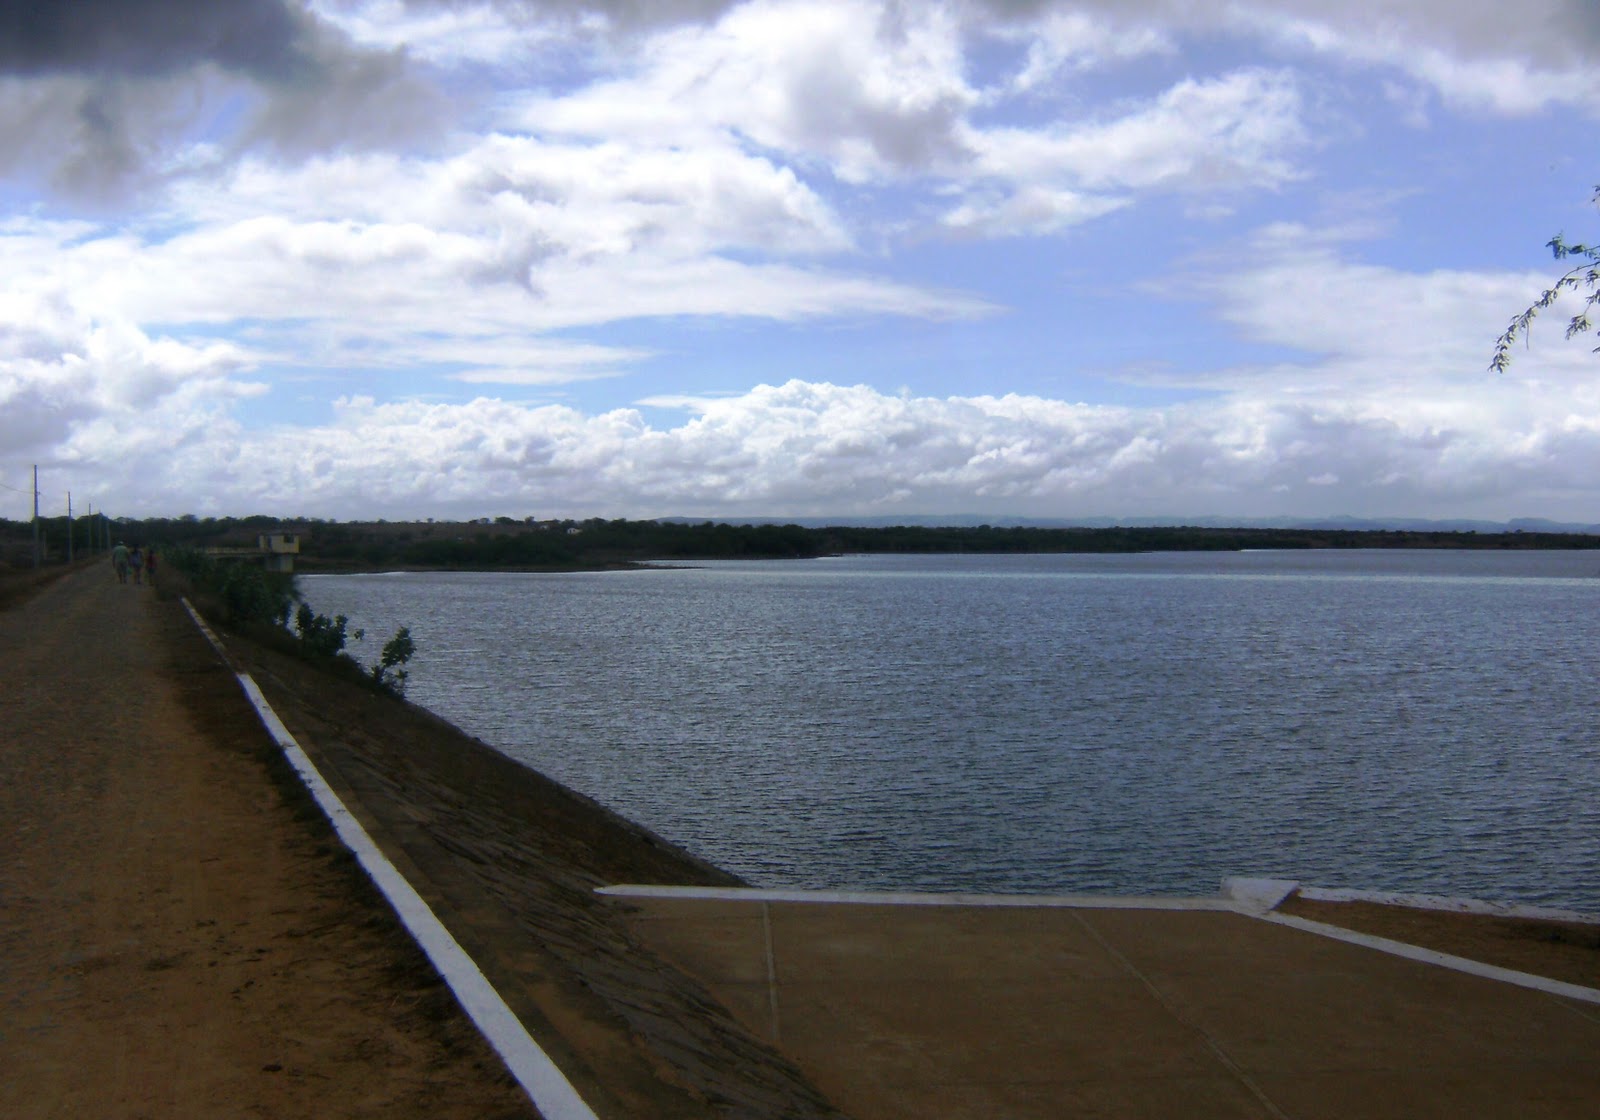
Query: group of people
point(139, 562)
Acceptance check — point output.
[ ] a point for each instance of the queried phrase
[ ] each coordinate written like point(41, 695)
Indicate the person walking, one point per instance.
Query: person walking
point(119, 561)
point(136, 564)
point(150, 566)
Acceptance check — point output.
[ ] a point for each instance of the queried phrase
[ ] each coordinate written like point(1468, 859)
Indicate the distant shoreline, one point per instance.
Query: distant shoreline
point(640, 545)
point(596, 544)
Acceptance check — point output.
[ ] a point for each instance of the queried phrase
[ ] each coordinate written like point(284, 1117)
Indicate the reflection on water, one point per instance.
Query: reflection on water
point(1419, 721)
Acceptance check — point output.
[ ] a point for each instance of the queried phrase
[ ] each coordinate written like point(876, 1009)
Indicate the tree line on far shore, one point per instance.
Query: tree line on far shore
point(505, 543)
point(598, 543)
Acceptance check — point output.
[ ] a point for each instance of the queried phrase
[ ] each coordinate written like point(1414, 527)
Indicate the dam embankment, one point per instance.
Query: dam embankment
point(180, 925)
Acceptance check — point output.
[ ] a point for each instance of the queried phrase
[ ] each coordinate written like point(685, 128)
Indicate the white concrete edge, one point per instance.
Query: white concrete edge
point(916, 898)
point(1430, 956)
point(1257, 893)
point(539, 1076)
point(1248, 897)
point(1446, 903)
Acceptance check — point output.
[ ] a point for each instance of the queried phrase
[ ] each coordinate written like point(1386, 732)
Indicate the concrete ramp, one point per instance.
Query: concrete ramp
point(914, 1007)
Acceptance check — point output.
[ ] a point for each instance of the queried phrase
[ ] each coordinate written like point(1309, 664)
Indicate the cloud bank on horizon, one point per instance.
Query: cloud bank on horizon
point(457, 258)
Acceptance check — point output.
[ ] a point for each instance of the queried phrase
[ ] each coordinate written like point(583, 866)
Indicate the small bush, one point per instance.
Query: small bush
point(390, 673)
point(319, 635)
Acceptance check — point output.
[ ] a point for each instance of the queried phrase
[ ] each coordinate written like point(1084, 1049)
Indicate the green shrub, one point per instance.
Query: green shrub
point(320, 635)
point(390, 672)
point(239, 595)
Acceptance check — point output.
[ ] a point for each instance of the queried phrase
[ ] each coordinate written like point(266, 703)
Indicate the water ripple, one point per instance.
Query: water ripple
point(1124, 724)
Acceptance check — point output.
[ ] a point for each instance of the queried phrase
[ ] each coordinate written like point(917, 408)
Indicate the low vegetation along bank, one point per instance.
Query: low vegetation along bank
point(595, 543)
point(268, 607)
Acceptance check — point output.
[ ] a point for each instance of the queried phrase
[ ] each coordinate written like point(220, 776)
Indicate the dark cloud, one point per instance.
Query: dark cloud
point(627, 14)
point(1582, 23)
point(83, 139)
point(99, 94)
point(352, 101)
point(629, 11)
point(153, 38)
point(105, 150)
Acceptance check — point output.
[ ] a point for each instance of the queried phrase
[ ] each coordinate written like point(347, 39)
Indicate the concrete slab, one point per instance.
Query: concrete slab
point(954, 943)
point(1009, 1011)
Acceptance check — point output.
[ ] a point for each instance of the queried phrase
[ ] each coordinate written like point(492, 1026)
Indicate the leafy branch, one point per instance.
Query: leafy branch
point(390, 672)
point(1584, 274)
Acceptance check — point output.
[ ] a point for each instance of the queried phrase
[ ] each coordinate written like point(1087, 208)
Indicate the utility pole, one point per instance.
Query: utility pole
point(36, 515)
point(69, 526)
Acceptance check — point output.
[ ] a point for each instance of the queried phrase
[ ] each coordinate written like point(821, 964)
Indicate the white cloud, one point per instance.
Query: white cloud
point(878, 93)
point(816, 448)
point(1067, 40)
point(1509, 86)
point(103, 394)
point(1473, 53)
point(1028, 210)
point(872, 90)
point(1234, 133)
point(1231, 131)
point(767, 161)
point(465, 262)
point(1368, 328)
point(528, 362)
point(454, 34)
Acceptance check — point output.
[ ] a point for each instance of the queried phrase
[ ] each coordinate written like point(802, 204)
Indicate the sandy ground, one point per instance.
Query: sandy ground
point(177, 942)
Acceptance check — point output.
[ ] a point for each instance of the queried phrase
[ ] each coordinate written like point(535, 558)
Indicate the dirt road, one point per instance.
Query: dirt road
point(181, 935)
point(175, 941)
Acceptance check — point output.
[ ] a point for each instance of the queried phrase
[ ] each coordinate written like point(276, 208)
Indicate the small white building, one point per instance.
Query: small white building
point(278, 550)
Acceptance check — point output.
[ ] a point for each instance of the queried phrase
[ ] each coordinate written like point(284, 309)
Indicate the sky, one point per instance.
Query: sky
point(1177, 259)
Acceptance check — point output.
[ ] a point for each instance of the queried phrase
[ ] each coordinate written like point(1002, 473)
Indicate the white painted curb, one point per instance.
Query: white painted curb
point(1256, 897)
point(1430, 956)
point(543, 1081)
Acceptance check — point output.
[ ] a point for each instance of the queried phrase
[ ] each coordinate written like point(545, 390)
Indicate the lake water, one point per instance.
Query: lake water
point(1420, 721)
